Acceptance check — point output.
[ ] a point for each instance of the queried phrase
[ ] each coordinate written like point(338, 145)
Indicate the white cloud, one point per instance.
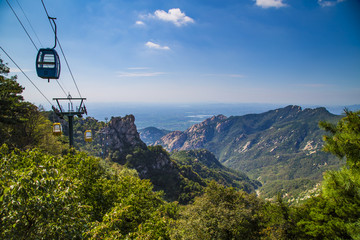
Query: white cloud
point(174, 15)
point(140, 23)
point(140, 74)
point(156, 46)
point(329, 3)
point(138, 68)
point(270, 3)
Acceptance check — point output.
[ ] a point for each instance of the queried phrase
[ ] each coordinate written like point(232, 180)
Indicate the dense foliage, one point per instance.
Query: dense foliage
point(221, 213)
point(75, 196)
point(335, 214)
point(209, 168)
point(178, 183)
point(21, 123)
point(80, 125)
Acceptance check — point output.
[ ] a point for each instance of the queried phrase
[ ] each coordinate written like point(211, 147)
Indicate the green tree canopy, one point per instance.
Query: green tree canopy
point(221, 213)
point(76, 196)
point(344, 138)
point(335, 214)
point(10, 97)
point(21, 123)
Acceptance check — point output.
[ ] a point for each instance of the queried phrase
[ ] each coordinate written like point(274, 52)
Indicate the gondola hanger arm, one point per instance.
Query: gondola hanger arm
point(55, 29)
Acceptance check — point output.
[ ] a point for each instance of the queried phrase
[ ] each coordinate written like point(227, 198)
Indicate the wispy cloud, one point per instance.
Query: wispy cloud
point(270, 3)
point(329, 3)
point(139, 74)
point(226, 75)
point(139, 23)
point(174, 16)
point(138, 68)
point(156, 46)
point(313, 85)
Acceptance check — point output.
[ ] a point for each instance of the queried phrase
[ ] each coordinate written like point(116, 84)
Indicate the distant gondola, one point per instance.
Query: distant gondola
point(48, 64)
point(57, 129)
point(88, 136)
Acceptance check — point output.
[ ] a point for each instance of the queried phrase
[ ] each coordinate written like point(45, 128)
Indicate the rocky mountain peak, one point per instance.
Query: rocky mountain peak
point(214, 119)
point(122, 135)
point(207, 122)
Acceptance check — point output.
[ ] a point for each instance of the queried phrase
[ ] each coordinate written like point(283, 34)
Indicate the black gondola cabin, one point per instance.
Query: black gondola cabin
point(57, 129)
point(48, 64)
point(88, 136)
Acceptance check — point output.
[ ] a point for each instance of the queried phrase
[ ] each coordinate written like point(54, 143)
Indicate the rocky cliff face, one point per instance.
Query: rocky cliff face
point(122, 136)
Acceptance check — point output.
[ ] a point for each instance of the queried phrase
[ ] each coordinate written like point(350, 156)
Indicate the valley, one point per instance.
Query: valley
point(281, 148)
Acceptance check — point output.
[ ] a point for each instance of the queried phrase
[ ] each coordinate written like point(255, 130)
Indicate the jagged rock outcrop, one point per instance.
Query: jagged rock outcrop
point(122, 136)
point(154, 163)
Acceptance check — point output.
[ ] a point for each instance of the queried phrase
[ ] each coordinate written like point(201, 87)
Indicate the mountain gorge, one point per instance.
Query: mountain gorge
point(178, 175)
point(278, 146)
point(151, 134)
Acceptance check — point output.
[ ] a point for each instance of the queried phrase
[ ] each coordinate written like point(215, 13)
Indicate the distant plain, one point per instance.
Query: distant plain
point(180, 116)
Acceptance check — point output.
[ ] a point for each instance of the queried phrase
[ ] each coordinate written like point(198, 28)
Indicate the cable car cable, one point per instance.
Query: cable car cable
point(72, 76)
point(29, 22)
point(28, 33)
point(26, 76)
point(57, 39)
point(22, 25)
point(61, 88)
point(67, 64)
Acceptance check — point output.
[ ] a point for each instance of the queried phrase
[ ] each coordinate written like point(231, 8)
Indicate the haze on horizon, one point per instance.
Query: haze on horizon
point(263, 51)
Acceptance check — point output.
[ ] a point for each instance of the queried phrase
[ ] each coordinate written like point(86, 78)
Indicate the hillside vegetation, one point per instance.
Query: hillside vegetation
point(209, 168)
point(48, 191)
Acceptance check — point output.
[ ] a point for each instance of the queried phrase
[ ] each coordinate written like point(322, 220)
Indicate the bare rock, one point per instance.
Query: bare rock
point(122, 135)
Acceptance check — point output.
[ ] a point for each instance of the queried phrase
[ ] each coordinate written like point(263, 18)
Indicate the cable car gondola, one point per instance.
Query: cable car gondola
point(57, 129)
point(88, 136)
point(48, 61)
point(48, 64)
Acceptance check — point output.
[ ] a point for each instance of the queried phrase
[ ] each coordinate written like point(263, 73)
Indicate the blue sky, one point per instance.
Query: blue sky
point(209, 51)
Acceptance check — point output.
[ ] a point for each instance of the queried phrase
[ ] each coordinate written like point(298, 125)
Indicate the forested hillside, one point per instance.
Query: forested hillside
point(208, 167)
point(281, 148)
point(48, 191)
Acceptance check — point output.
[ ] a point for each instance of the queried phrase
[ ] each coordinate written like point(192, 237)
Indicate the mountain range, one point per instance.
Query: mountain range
point(281, 148)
